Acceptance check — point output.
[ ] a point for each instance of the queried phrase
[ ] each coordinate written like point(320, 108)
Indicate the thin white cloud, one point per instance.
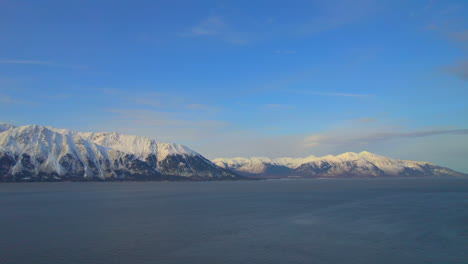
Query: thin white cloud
point(44, 63)
point(169, 117)
point(210, 26)
point(365, 120)
point(345, 139)
point(449, 20)
point(24, 62)
point(278, 106)
point(459, 69)
point(215, 26)
point(165, 126)
point(158, 100)
point(335, 14)
point(332, 94)
point(285, 52)
point(201, 107)
point(396, 143)
point(160, 118)
point(7, 99)
point(461, 36)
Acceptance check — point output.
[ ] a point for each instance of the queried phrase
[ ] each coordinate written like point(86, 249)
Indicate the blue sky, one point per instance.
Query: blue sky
point(245, 78)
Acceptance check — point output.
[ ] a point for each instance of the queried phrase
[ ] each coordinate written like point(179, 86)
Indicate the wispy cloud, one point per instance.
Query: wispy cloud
point(461, 36)
point(285, 52)
point(166, 126)
point(369, 138)
point(24, 62)
point(449, 20)
point(143, 99)
point(444, 146)
point(7, 99)
point(460, 69)
point(335, 14)
point(146, 101)
point(215, 26)
point(201, 107)
point(167, 116)
point(278, 106)
point(160, 101)
point(365, 120)
point(332, 94)
point(57, 97)
point(43, 63)
point(160, 118)
point(283, 85)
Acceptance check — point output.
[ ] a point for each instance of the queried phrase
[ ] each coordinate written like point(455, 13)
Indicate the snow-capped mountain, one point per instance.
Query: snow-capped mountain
point(5, 127)
point(350, 164)
point(37, 152)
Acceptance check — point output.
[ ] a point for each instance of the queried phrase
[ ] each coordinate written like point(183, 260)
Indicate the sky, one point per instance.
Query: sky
point(245, 78)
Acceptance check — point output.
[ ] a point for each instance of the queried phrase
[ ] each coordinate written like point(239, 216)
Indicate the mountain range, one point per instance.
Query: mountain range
point(42, 153)
point(350, 164)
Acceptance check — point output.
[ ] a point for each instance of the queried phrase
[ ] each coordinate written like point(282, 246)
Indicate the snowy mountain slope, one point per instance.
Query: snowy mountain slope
point(37, 152)
point(263, 165)
point(5, 127)
point(139, 146)
point(350, 164)
point(256, 166)
point(45, 153)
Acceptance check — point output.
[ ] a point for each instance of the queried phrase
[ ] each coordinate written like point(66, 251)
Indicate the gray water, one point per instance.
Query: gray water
point(277, 221)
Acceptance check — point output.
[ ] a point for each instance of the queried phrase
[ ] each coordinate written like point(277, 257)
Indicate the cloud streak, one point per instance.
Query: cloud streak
point(200, 107)
point(168, 116)
point(24, 62)
point(215, 26)
point(461, 36)
point(368, 138)
point(285, 52)
point(43, 63)
point(460, 69)
point(166, 126)
point(332, 94)
point(336, 14)
point(160, 101)
point(210, 26)
point(5, 99)
point(278, 106)
point(160, 118)
point(365, 120)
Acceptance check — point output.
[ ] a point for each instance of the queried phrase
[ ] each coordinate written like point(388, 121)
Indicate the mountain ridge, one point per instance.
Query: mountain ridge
point(348, 164)
point(44, 153)
point(36, 152)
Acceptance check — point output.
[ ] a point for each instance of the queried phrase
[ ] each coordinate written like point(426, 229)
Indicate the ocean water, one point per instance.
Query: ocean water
point(273, 221)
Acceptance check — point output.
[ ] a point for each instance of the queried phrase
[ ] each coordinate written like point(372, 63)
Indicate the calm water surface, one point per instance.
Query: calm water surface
point(277, 221)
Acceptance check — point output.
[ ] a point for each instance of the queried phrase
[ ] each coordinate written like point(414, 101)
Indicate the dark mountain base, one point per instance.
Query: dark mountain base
point(127, 179)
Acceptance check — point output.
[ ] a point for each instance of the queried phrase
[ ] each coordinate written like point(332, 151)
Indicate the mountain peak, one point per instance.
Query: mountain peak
point(349, 155)
point(40, 152)
point(138, 145)
point(5, 127)
point(351, 164)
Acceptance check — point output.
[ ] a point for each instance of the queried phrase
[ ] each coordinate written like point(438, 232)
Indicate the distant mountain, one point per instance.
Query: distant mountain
point(5, 127)
point(350, 164)
point(42, 153)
